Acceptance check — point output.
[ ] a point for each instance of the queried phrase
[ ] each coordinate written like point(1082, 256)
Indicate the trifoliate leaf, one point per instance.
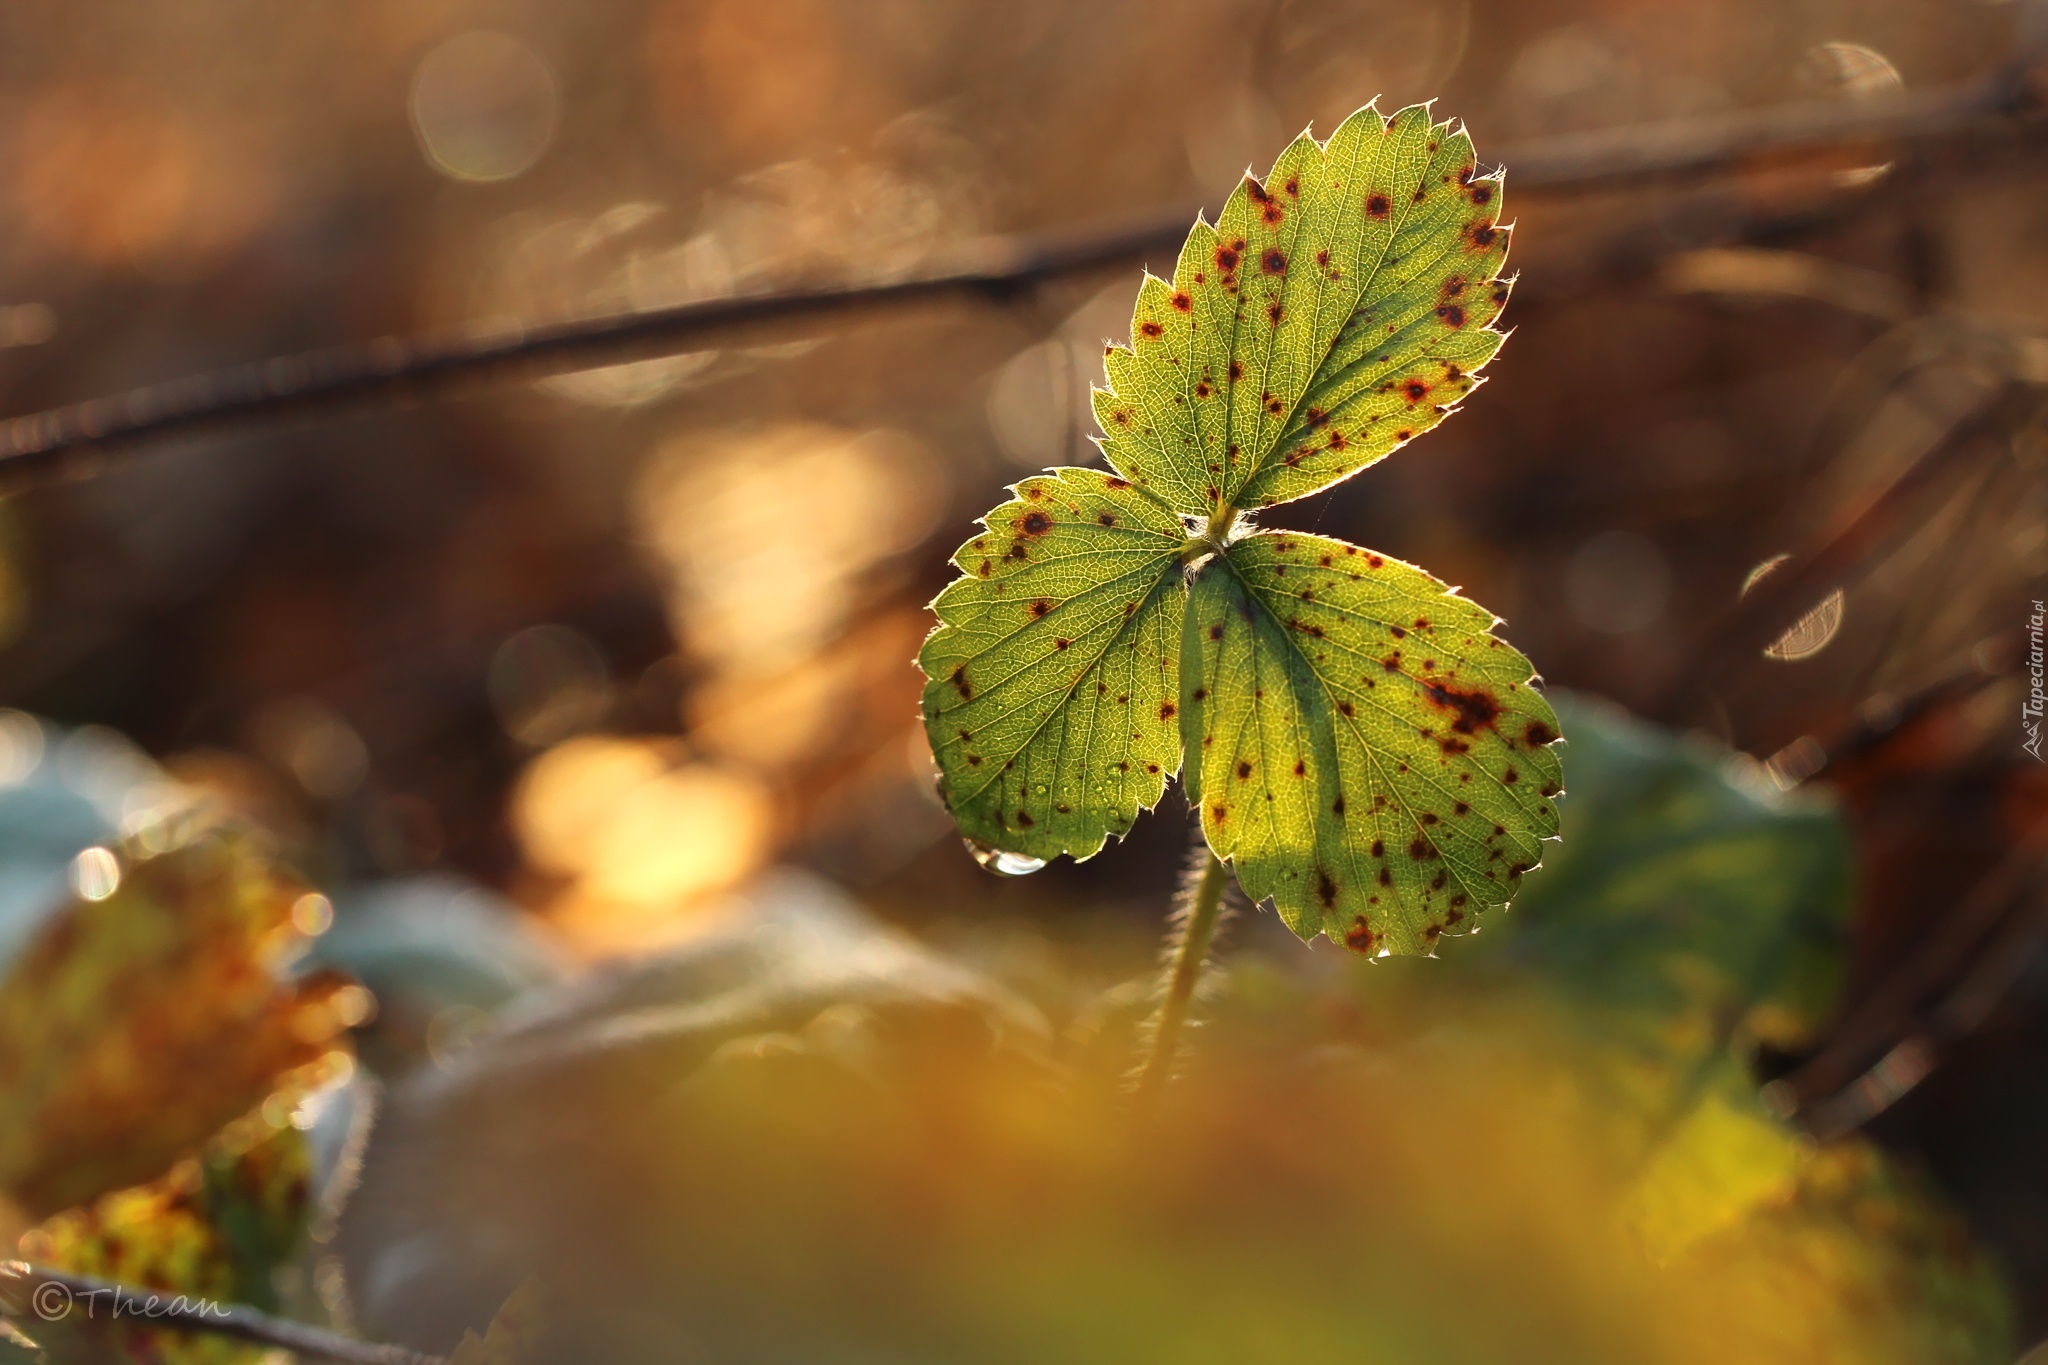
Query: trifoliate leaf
point(1371, 756)
point(1054, 674)
point(1380, 793)
point(1333, 312)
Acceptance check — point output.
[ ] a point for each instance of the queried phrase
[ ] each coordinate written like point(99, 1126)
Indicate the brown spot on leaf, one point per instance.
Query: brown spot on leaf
point(960, 683)
point(1244, 770)
point(1360, 938)
point(1536, 734)
point(1167, 710)
point(1420, 849)
point(1451, 315)
point(1151, 330)
point(1475, 709)
point(1183, 303)
point(1376, 206)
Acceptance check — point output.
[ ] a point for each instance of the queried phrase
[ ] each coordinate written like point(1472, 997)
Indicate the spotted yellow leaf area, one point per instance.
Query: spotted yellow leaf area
point(1367, 753)
point(1336, 310)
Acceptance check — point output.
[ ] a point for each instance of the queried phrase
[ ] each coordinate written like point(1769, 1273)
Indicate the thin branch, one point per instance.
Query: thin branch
point(1780, 600)
point(1922, 1043)
point(32, 1294)
point(47, 446)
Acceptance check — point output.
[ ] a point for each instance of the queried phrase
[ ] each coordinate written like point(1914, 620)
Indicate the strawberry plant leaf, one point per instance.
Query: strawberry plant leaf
point(1334, 311)
point(1368, 755)
point(1052, 701)
point(1371, 756)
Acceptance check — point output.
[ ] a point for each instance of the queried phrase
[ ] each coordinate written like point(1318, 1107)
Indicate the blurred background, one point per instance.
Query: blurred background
point(587, 656)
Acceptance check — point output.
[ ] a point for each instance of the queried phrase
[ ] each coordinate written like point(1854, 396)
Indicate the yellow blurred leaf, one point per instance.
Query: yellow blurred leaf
point(137, 1024)
point(513, 1334)
point(214, 1228)
point(1721, 1163)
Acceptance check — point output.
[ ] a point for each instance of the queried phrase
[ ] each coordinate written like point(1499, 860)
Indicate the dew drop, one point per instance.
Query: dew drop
point(1002, 862)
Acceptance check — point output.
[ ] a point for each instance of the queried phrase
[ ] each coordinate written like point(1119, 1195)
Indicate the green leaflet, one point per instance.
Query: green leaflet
point(1332, 314)
point(1371, 757)
point(1054, 671)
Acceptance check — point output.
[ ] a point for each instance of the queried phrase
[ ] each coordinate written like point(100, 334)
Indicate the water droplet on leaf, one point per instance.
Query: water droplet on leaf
point(1002, 862)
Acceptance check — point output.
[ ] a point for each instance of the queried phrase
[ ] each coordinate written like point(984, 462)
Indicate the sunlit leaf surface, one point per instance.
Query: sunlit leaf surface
point(1054, 670)
point(1334, 311)
point(133, 1027)
point(1371, 757)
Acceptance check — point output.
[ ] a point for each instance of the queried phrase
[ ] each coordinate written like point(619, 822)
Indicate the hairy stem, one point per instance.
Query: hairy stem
point(1196, 916)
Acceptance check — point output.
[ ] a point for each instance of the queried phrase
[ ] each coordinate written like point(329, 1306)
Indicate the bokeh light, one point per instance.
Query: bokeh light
point(484, 106)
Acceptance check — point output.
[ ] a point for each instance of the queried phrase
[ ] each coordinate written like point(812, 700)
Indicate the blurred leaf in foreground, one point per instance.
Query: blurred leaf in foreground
point(513, 1336)
point(217, 1227)
point(805, 1139)
point(134, 1026)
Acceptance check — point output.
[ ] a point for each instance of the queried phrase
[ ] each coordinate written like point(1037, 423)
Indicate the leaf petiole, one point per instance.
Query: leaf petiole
point(1198, 915)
